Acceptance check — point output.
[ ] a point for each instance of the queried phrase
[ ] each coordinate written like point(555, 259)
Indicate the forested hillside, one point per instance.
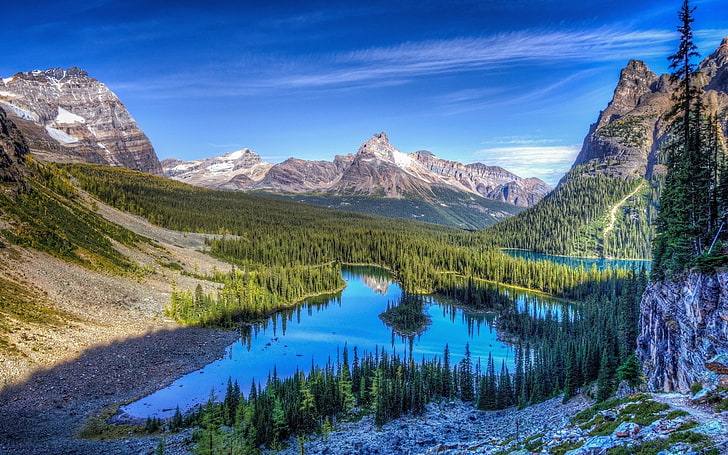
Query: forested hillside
point(586, 215)
point(272, 233)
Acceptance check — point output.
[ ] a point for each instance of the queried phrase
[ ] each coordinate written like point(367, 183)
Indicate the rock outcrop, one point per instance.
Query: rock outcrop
point(684, 332)
point(377, 168)
point(13, 150)
point(67, 116)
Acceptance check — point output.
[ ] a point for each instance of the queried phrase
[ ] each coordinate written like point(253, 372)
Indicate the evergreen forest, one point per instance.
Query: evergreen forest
point(284, 252)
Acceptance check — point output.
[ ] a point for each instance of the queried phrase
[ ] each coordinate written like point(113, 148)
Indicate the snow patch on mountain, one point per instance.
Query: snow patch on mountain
point(60, 136)
point(66, 117)
point(20, 112)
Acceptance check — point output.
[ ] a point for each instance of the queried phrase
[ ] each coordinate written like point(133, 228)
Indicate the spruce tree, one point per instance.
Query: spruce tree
point(689, 205)
point(467, 390)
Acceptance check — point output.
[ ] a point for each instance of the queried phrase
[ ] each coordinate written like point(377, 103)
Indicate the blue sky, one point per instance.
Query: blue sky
point(510, 83)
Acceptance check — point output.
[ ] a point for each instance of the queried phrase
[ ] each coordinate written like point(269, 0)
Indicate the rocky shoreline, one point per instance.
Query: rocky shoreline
point(445, 426)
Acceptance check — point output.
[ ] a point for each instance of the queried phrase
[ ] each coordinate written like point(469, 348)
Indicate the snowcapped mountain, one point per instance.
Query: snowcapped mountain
point(377, 169)
point(67, 116)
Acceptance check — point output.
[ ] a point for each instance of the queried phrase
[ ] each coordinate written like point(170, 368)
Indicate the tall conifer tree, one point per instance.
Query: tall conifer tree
point(687, 215)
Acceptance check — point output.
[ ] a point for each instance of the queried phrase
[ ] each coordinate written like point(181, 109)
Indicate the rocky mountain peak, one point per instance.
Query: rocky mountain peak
point(715, 68)
point(59, 73)
point(230, 171)
point(379, 146)
point(635, 81)
point(67, 116)
point(626, 140)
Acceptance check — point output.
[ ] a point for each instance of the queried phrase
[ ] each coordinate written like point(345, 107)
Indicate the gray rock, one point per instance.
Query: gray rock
point(683, 329)
point(597, 445)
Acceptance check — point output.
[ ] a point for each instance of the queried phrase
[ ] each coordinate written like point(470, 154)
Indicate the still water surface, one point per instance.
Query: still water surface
point(576, 262)
point(318, 330)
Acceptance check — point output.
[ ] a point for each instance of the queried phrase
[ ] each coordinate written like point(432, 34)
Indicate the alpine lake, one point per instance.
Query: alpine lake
point(316, 332)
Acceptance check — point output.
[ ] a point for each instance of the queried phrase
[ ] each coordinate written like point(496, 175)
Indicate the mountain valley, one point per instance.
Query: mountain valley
point(120, 273)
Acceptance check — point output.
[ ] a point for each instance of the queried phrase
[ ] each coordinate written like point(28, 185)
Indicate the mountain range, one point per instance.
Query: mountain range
point(67, 116)
point(610, 193)
point(377, 168)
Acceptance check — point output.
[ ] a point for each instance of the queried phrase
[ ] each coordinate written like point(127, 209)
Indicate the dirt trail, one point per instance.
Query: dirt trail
point(617, 206)
point(701, 413)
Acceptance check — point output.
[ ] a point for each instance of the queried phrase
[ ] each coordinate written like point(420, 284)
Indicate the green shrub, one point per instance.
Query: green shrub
point(722, 406)
point(695, 388)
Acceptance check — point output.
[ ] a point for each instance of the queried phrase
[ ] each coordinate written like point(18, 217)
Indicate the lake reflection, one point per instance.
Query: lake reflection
point(318, 330)
point(576, 262)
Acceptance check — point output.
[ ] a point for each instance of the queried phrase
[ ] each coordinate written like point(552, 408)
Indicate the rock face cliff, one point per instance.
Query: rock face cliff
point(684, 332)
point(13, 150)
point(377, 168)
point(67, 116)
point(626, 139)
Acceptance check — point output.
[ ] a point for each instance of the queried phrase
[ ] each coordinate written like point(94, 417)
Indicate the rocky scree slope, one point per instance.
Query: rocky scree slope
point(377, 168)
point(67, 116)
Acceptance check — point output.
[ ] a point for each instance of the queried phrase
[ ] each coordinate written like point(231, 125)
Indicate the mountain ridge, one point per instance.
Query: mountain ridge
point(629, 132)
point(620, 163)
point(377, 168)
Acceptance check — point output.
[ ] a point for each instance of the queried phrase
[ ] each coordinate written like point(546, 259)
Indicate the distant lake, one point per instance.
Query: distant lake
point(577, 262)
point(317, 331)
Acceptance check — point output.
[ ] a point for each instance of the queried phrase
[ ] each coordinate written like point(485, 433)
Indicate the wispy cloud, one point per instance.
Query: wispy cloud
point(547, 162)
point(405, 62)
point(250, 75)
point(411, 60)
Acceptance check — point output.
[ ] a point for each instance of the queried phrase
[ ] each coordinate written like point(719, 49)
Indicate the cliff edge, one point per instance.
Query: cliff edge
point(684, 332)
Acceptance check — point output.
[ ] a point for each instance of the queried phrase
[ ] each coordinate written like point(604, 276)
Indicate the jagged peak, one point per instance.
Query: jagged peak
point(244, 152)
point(719, 57)
point(634, 73)
point(379, 145)
point(723, 48)
point(715, 68)
point(635, 80)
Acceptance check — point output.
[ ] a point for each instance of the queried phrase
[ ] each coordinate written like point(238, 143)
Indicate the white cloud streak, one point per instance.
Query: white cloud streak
point(400, 64)
point(549, 163)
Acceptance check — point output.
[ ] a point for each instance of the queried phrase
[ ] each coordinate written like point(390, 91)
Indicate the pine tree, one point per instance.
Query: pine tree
point(630, 372)
point(688, 213)
point(487, 393)
point(605, 385)
point(467, 391)
point(279, 421)
point(447, 379)
point(505, 387)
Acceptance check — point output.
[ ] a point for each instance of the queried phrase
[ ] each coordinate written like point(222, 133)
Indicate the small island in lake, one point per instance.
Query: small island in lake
point(407, 318)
